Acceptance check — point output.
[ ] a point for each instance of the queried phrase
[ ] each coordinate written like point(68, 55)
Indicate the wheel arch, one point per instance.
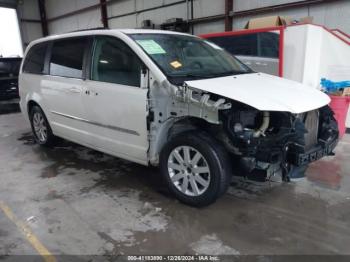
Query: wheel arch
point(34, 98)
point(31, 104)
point(173, 127)
point(218, 166)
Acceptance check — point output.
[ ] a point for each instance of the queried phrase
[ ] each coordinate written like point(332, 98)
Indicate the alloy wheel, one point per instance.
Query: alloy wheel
point(188, 170)
point(40, 128)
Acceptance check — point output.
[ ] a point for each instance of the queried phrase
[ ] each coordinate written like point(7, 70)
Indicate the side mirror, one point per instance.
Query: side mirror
point(144, 78)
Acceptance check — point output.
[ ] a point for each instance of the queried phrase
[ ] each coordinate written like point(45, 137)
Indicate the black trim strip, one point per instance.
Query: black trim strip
point(120, 129)
point(348, 130)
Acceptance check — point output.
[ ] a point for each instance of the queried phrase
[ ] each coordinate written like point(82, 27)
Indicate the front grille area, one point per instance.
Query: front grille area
point(311, 121)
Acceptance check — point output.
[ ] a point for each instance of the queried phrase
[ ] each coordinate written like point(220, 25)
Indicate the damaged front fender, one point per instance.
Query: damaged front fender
point(190, 102)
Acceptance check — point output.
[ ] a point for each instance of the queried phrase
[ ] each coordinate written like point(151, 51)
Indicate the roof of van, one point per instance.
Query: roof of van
point(104, 31)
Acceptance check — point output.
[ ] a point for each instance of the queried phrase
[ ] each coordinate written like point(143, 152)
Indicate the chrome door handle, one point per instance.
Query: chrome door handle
point(75, 90)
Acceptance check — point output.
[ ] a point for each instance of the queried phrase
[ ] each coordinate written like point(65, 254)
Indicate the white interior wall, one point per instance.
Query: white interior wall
point(203, 28)
point(243, 5)
point(56, 8)
point(85, 20)
point(333, 15)
point(294, 53)
point(202, 8)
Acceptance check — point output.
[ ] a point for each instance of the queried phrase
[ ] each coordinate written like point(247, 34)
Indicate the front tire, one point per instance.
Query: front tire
point(195, 168)
point(41, 128)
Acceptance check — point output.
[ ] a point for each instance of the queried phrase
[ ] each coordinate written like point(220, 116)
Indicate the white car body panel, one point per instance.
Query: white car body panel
point(64, 104)
point(121, 114)
point(264, 92)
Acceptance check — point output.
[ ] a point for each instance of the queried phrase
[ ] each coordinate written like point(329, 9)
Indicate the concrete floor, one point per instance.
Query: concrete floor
point(79, 201)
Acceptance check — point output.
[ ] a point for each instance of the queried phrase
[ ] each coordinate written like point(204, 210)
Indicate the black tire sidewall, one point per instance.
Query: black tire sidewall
point(217, 159)
point(50, 136)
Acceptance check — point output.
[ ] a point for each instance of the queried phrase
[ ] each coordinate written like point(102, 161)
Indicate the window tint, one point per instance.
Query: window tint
point(67, 57)
point(35, 59)
point(115, 62)
point(238, 45)
point(269, 44)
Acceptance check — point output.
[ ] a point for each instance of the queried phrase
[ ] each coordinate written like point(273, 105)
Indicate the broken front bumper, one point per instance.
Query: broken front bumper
point(322, 149)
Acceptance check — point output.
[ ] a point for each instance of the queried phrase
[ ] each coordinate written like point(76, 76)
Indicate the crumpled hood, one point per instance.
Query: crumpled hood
point(264, 92)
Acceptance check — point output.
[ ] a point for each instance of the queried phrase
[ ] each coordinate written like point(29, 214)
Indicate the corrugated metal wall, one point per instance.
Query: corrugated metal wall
point(131, 13)
point(85, 20)
point(332, 15)
point(29, 18)
point(240, 5)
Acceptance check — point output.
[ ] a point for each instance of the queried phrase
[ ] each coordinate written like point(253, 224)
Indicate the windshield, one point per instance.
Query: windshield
point(183, 57)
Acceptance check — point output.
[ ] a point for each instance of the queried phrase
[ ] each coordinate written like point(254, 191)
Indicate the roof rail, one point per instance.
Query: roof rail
point(89, 29)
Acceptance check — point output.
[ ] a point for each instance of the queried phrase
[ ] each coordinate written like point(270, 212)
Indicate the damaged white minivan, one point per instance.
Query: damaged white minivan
point(175, 101)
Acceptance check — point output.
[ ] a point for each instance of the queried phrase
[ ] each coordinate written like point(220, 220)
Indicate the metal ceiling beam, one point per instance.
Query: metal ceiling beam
point(26, 20)
point(206, 19)
point(43, 19)
point(104, 15)
point(228, 17)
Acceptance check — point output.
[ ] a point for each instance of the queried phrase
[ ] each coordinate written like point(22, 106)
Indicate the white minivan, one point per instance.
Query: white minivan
point(175, 101)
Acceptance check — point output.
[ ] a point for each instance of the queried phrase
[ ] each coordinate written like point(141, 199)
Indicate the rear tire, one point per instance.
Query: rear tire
point(196, 168)
point(41, 128)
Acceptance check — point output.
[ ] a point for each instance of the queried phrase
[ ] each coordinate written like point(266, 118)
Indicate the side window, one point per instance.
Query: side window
point(269, 44)
point(245, 45)
point(67, 57)
point(35, 59)
point(115, 62)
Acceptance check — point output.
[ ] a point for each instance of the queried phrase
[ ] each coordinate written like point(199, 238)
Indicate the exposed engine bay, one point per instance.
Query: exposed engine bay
point(262, 143)
point(278, 140)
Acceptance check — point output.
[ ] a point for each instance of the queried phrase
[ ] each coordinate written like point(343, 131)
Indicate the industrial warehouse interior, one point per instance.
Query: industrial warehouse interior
point(174, 130)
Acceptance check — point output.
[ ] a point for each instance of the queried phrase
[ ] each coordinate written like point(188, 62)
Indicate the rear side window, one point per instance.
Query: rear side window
point(67, 57)
point(35, 59)
point(246, 45)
